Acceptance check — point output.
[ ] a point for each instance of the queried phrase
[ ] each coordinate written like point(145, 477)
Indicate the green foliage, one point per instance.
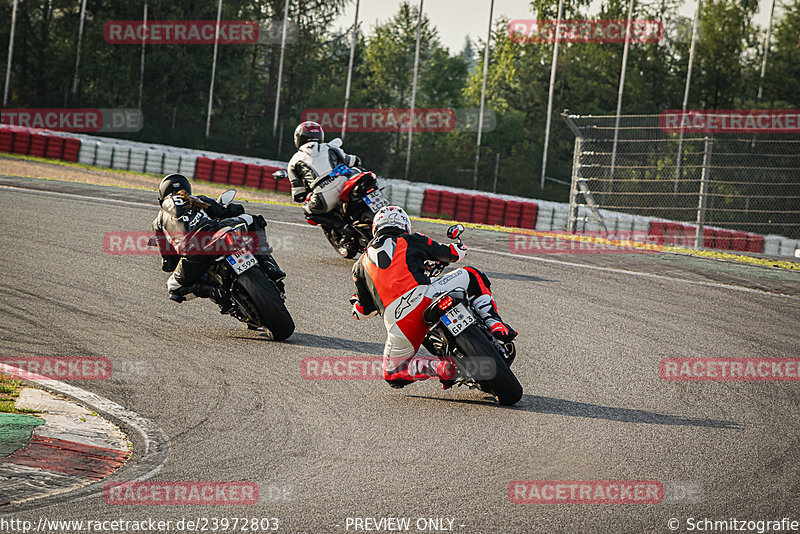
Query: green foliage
point(177, 78)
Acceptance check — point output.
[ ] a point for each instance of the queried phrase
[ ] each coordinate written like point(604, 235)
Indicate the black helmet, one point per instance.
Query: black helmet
point(172, 183)
point(308, 131)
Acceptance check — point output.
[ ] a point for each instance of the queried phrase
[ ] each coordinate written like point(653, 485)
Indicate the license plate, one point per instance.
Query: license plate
point(376, 200)
point(457, 319)
point(242, 260)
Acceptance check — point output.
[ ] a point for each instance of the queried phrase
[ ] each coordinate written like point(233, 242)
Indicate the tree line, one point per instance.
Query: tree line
point(176, 78)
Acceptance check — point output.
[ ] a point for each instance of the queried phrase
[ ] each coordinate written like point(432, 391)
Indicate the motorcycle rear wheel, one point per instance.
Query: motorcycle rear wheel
point(262, 296)
point(475, 347)
point(344, 250)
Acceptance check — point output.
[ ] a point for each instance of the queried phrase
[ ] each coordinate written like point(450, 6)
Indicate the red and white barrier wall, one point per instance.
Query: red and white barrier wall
point(420, 199)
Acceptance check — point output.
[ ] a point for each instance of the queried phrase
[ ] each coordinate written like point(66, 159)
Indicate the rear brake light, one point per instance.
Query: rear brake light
point(445, 303)
point(233, 238)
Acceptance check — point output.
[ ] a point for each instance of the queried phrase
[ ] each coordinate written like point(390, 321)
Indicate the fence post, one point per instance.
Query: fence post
point(701, 204)
point(573, 187)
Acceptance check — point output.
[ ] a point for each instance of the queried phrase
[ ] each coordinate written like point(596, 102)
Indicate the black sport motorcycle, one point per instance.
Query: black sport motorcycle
point(348, 227)
point(247, 293)
point(456, 331)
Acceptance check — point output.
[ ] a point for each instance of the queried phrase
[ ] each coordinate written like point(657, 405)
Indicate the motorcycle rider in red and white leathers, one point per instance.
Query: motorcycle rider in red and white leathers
point(390, 279)
point(309, 168)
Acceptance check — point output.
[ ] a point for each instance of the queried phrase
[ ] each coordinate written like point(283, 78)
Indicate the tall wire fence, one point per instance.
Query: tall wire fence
point(743, 181)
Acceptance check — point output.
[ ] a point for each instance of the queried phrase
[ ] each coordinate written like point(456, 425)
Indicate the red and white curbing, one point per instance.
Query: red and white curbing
point(73, 448)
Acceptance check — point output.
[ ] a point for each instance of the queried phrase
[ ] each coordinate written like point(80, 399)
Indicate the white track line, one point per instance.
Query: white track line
point(156, 443)
point(633, 273)
point(492, 252)
point(117, 201)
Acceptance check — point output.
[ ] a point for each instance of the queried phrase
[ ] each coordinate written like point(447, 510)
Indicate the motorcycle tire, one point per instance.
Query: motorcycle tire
point(262, 296)
point(476, 349)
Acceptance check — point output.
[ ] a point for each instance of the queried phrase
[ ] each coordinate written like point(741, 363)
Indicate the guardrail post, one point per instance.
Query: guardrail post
point(573, 188)
point(701, 205)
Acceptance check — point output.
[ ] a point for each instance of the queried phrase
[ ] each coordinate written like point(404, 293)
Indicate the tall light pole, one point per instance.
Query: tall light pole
point(483, 98)
point(213, 70)
point(10, 51)
point(141, 66)
point(350, 70)
point(621, 87)
point(686, 93)
point(78, 52)
point(280, 68)
point(413, 91)
point(550, 92)
point(766, 51)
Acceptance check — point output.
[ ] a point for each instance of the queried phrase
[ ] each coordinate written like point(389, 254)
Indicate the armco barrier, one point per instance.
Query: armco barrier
point(464, 203)
point(414, 200)
point(72, 147)
point(447, 205)
point(121, 158)
point(6, 140)
point(154, 163)
point(544, 218)
point(138, 157)
point(657, 232)
point(188, 166)
point(480, 209)
point(755, 243)
point(739, 241)
point(496, 211)
point(430, 203)
point(203, 168)
point(55, 147)
point(22, 142)
point(171, 163)
point(723, 239)
point(38, 145)
point(513, 213)
point(528, 214)
point(252, 175)
point(452, 203)
point(88, 152)
point(219, 174)
point(236, 174)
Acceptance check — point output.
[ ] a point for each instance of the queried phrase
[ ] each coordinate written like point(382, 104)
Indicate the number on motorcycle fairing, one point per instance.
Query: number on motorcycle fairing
point(458, 319)
point(375, 199)
point(242, 261)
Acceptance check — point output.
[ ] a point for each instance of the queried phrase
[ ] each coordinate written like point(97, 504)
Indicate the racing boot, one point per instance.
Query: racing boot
point(487, 311)
point(273, 271)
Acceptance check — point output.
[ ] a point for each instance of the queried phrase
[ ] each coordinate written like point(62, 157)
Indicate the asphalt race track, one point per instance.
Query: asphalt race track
point(235, 407)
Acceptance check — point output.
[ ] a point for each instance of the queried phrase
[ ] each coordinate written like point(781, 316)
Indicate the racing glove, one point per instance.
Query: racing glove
point(457, 251)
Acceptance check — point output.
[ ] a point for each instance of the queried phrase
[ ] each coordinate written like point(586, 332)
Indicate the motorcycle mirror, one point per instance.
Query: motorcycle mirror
point(227, 197)
point(455, 231)
point(280, 175)
point(336, 142)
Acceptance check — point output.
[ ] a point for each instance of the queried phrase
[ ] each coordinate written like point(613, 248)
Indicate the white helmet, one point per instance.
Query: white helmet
point(391, 217)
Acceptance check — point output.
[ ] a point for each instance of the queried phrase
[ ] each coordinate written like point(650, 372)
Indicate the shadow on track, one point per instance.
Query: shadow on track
point(532, 403)
point(516, 277)
point(328, 342)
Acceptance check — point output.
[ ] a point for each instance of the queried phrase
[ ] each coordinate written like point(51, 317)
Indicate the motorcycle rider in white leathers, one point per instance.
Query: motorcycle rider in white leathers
point(309, 168)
